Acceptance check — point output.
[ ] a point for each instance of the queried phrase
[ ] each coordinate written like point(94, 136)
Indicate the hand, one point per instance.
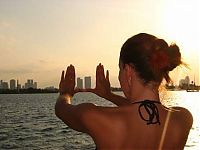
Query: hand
point(67, 82)
point(102, 88)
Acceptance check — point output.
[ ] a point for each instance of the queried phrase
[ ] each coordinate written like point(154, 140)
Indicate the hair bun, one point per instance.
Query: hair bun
point(159, 58)
point(174, 57)
point(159, 45)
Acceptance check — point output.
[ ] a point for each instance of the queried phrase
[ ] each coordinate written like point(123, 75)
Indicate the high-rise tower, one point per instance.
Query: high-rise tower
point(12, 84)
point(88, 82)
point(79, 83)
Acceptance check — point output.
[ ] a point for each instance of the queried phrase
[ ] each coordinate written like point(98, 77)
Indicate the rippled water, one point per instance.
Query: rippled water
point(27, 121)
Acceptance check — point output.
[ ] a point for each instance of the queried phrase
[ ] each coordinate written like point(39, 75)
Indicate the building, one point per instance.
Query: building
point(88, 82)
point(79, 83)
point(4, 85)
point(1, 82)
point(181, 82)
point(18, 85)
point(187, 80)
point(35, 85)
point(50, 88)
point(13, 84)
point(184, 82)
point(30, 84)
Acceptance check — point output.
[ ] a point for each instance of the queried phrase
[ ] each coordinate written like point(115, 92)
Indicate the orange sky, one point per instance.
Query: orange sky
point(40, 38)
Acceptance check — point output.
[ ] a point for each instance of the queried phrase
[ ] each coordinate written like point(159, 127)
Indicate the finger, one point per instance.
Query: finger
point(73, 75)
point(70, 76)
point(107, 76)
point(67, 72)
point(72, 72)
point(62, 76)
point(97, 73)
point(101, 73)
point(102, 69)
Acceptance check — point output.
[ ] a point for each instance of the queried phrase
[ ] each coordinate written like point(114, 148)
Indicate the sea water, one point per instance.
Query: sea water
point(28, 121)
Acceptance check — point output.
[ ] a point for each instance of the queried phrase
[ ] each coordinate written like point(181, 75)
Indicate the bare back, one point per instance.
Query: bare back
point(123, 128)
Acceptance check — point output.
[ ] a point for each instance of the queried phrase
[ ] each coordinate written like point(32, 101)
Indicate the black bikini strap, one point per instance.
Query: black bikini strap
point(151, 109)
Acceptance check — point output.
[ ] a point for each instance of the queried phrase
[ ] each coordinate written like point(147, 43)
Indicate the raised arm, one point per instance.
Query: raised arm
point(103, 89)
point(73, 116)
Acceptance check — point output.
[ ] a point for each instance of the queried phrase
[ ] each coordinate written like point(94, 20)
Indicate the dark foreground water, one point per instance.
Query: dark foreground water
point(27, 121)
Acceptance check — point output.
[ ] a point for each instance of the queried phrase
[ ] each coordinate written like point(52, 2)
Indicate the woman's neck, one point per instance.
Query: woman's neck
point(142, 92)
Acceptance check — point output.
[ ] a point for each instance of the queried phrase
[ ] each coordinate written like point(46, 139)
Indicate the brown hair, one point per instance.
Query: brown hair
point(151, 57)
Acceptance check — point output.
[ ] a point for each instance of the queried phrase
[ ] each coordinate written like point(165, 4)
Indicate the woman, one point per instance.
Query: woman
point(139, 121)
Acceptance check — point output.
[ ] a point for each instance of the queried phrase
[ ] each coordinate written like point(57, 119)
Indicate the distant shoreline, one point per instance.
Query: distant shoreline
point(40, 91)
point(28, 91)
point(55, 90)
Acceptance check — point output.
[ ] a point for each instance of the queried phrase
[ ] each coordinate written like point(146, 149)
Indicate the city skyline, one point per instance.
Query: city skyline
point(81, 82)
point(15, 84)
point(40, 38)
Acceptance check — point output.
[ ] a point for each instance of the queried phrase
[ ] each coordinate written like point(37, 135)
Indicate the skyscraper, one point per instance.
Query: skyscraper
point(1, 84)
point(79, 83)
point(88, 82)
point(18, 85)
point(12, 84)
point(35, 85)
point(29, 84)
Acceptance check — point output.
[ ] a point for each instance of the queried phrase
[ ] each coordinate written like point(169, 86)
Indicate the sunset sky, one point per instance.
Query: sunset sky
point(39, 38)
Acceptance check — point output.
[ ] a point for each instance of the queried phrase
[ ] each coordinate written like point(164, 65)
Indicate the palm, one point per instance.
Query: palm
point(67, 82)
point(102, 88)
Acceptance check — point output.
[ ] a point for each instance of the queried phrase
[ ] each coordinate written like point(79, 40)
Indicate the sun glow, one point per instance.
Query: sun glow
point(181, 25)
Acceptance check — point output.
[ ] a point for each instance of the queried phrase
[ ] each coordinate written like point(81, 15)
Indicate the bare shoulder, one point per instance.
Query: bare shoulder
point(181, 121)
point(97, 116)
point(99, 120)
point(183, 115)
